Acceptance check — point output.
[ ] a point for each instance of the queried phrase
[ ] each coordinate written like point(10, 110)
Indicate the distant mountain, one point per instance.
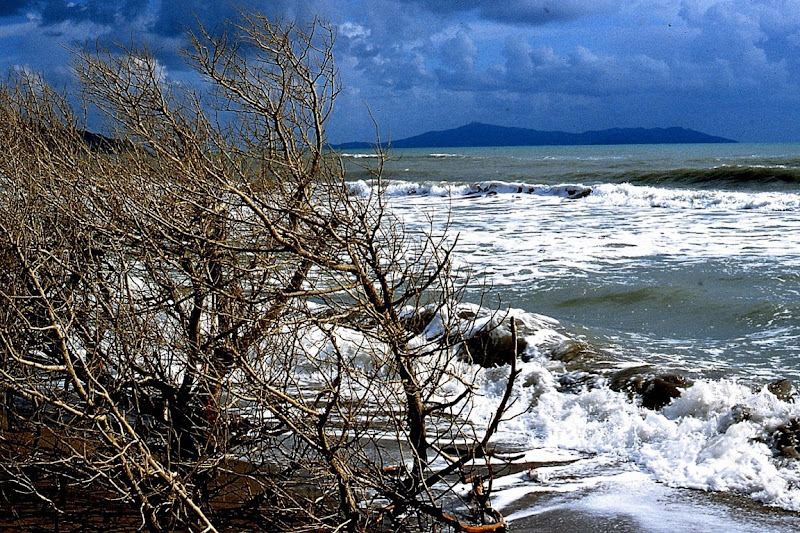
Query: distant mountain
point(477, 134)
point(97, 142)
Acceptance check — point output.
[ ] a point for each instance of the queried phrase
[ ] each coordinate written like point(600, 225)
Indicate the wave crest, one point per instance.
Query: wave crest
point(397, 188)
point(605, 194)
point(786, 173)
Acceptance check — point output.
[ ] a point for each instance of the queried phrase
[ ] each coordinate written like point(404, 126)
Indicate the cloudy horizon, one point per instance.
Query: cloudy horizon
point(727, 68)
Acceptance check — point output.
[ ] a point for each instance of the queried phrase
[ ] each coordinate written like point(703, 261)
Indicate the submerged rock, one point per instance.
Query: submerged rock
point(417, 320)
point(655, 390)
point(738, 413)
point(583, 365)
point(629, 380)
point(786, 439)
point(783, 389)
point(574, 193)
point(575, 354)
point(576, 382)
point(490, 347)
point(660, 390)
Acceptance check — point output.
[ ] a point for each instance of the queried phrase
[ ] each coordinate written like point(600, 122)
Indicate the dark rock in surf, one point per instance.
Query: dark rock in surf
point(488, 345)
point(491, 344)
point(739, 413)
point(574, 193)
point(576, 382)
point(629, 380)
point(417, 321)
point(660, 390)
point(575, 354)
point(492, 347)
point(783, 389)
point(786, 439)
point(654, 390)
point(586, 366)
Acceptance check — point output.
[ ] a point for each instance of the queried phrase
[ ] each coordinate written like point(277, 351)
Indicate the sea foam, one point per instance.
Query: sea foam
point(715, 436)
point(606, 194)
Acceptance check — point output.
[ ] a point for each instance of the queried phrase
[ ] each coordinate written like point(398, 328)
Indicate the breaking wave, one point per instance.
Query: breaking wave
point(608, 194)
point(785, 173)
point(592, 408)
point(589, 410)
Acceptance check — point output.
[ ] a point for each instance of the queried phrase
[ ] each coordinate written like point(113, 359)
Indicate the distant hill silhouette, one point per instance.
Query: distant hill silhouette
point(97, 142)
point(478, 134)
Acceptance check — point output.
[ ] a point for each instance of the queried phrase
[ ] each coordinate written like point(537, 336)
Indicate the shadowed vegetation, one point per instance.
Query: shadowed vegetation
point(200, 324)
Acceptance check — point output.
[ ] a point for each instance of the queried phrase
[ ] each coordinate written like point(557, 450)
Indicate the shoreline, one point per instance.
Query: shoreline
point(644, 506)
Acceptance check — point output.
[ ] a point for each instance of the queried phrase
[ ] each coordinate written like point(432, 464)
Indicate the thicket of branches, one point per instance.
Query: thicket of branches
point(200, 322)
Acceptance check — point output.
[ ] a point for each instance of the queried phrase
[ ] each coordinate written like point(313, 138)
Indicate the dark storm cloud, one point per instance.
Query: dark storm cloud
point(168, 18)
point(581, 71)
point(96, 11)
point(389, 47)
point(521, 11)
point(429, 64)
point(160, 26)
point(11, 7)
point(175, 17)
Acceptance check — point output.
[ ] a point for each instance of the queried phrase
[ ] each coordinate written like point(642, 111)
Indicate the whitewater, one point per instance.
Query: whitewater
point(654, 260)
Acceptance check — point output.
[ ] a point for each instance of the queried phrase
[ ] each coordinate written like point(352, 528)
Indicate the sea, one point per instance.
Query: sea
point(656, 260)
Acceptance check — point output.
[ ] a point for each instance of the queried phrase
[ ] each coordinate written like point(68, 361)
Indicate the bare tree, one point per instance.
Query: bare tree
point(199, 317)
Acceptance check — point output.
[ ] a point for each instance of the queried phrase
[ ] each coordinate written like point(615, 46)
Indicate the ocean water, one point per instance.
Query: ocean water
point(684, 259)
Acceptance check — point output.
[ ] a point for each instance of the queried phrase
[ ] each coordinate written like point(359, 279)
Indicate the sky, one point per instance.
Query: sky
point(724, 67)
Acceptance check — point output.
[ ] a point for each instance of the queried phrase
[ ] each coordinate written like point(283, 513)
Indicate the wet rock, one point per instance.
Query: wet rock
point(486, 338)
point(417, 321)
point(738, 413)
point(629, 380)
point(467, 314)
point(492, 347)
point(659, 391)
point(655, 390)
point(575, 354)
point(574, 193)
point(783, 389)
point(786, 439)
point(576, 382)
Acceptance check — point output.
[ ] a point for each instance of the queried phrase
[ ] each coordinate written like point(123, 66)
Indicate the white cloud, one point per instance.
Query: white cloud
point(351, 30)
